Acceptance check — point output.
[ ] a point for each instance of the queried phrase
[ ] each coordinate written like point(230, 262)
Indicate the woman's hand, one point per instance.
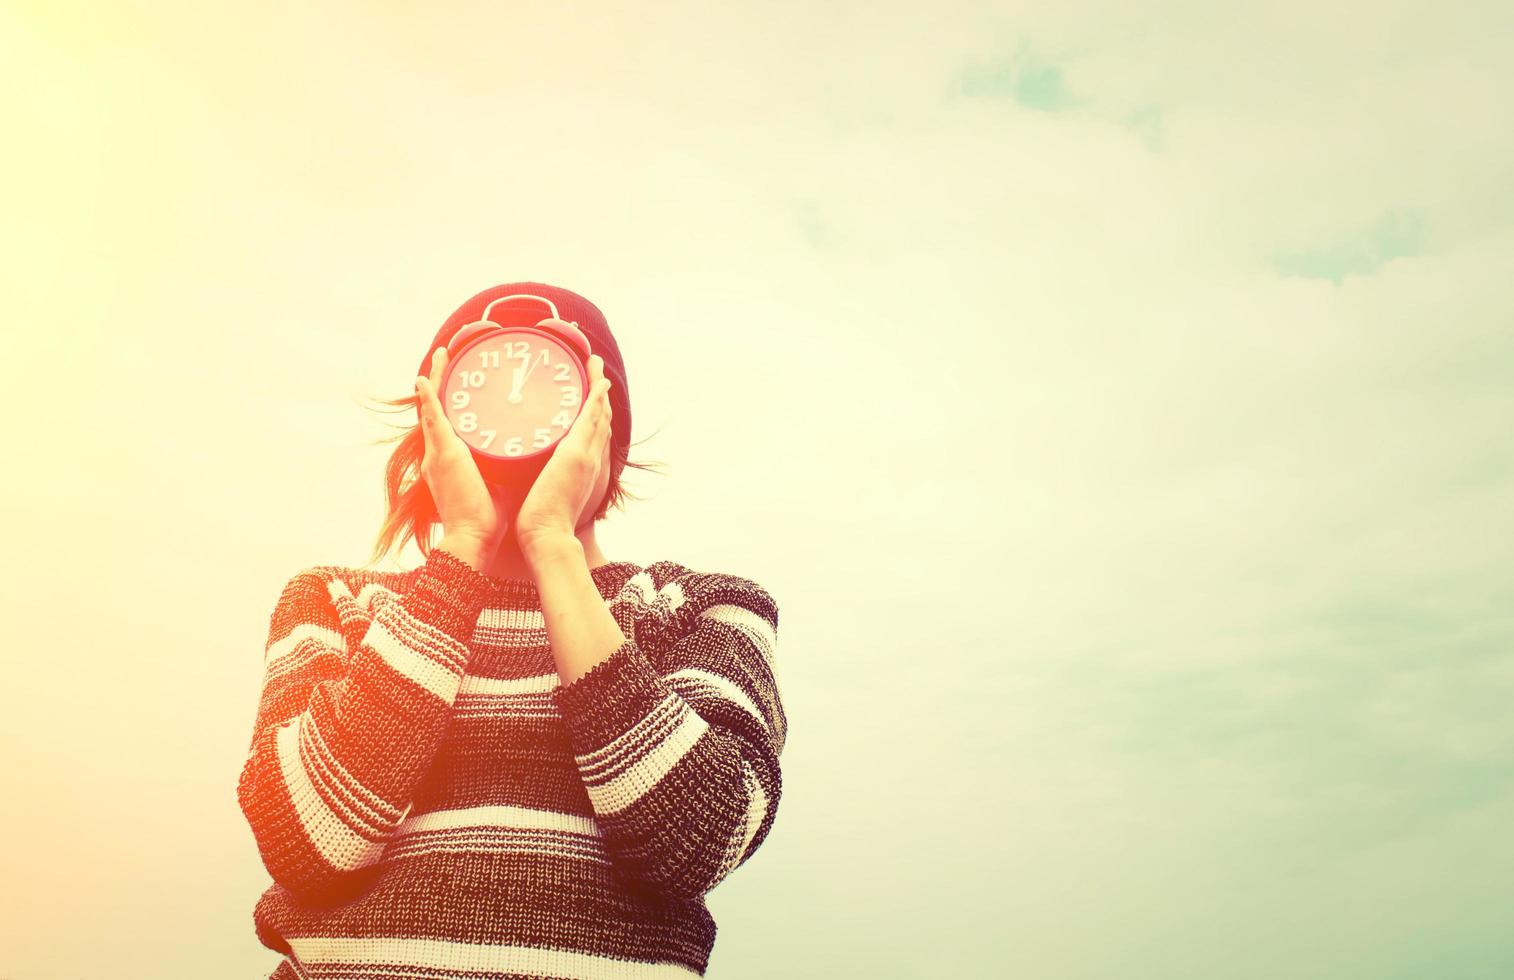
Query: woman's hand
point(561, 490)
point(465, 503)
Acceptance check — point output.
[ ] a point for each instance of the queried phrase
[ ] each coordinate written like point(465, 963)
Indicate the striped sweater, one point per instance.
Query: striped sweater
point(431, 802)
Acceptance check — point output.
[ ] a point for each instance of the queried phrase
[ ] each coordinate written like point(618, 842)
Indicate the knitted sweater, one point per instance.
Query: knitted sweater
point(430, 800)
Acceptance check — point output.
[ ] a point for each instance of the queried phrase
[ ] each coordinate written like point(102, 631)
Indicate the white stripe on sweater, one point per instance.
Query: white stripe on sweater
point(303, 641)
point(624, 771)
point(505, 619)
point(519, 817)
point(506, 686)
point(366, 596)
point(363, 806)
point(643, 590)
point(416, 667)
point(692, 679)
point(500, 829)
point(341, 846)
point(450, 955)
point(675, 596)
point(506, 697)
point(642, 586)
point(492, 843)
point(757, 807)
point(756, 629)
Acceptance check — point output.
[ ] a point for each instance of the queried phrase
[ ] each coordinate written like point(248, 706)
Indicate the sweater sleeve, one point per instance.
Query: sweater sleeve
point(353, 709)
point(677, 743)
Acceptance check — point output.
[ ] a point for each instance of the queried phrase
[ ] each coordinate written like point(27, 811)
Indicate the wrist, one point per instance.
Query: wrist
point(471, 549)
point(540, 549)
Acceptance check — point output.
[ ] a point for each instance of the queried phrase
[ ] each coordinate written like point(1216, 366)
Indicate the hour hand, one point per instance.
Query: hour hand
point(519, 376)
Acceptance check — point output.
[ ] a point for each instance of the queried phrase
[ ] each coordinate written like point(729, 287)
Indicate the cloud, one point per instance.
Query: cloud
point(1398, 234)
point(1033, 85)
point(812, 226)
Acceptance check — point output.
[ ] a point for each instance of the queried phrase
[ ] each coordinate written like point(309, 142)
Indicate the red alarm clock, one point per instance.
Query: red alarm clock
point(515, 382)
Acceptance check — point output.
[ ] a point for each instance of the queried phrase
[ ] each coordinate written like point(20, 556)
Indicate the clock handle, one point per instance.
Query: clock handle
point(500, 299)
point(566, 329)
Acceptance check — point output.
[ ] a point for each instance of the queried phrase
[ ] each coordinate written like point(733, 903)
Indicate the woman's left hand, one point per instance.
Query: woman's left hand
point(562, 488)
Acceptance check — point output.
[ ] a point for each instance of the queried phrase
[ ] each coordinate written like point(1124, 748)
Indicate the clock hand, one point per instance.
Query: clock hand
point(532, 366)
point(514, 395)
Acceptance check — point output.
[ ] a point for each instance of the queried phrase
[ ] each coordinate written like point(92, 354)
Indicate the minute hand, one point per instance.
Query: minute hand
point(531, 366)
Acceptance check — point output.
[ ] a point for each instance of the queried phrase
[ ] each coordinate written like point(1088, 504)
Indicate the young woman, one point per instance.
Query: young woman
point(521, 758)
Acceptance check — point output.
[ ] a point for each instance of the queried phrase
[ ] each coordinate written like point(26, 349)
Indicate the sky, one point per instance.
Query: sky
point(1116, 401)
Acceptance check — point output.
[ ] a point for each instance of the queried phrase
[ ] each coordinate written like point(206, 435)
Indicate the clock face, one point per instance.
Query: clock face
point(513, 393)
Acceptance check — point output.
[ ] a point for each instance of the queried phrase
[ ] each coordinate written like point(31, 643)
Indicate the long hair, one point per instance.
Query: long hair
point(411, 513)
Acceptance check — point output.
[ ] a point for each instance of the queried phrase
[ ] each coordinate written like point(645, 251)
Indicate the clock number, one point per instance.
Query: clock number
point(488, 438)
point(513, 446)
point(467, 422)
point(569, 397)
point(563, 372)
point(562, 420)
point(488, 358)
point(472, 379)
point(517, 348)
point(543, 436)
point(460, 399)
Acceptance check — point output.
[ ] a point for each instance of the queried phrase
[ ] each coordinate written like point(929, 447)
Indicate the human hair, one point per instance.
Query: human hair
point(411, 513)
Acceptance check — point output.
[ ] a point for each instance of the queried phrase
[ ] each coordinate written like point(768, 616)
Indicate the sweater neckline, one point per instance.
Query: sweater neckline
point(608, 578)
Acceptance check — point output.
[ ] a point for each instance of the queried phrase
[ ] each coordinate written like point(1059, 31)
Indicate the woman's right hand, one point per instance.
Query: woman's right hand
point(465, 504)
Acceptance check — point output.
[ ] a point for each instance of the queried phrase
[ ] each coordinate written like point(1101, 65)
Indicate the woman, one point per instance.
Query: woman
point(521, 758)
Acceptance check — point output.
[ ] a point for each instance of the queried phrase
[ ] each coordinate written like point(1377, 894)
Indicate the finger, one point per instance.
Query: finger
point(601, 421)
point(586, 423)
point(434, 424)
point(430, 376)
point(438, 367)
point(422, 414)
point(602, 432)
point(425, 399)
